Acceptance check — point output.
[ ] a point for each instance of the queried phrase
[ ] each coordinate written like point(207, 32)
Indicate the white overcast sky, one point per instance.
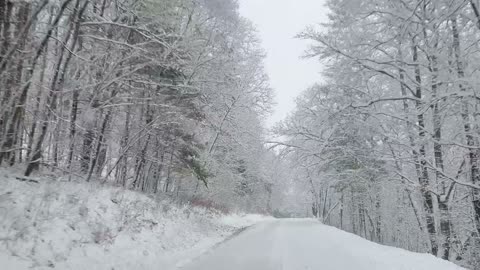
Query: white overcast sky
point(278, 21)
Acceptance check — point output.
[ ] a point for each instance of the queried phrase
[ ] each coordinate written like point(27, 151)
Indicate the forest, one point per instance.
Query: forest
point(170, 98)
point(155, 96)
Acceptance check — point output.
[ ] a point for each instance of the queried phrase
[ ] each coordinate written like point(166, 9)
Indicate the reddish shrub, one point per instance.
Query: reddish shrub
point(209, 204)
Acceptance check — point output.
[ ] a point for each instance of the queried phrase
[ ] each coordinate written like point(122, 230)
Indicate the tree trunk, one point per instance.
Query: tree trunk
point(158, 172)
point(141, 161)
point(100, 142)
point(378, 225)
point(341, 211)
point(445, 227)
point(122, 170)
point(424, 175)
point(73, 127)
point(169, 169)
point(472, 153)
point(418, 156)
point(476, 12)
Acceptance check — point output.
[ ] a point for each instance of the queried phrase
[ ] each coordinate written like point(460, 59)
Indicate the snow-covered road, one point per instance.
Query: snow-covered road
point(309, 245)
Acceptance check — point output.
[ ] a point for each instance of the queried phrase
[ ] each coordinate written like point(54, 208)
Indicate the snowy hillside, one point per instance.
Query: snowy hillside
point(56, 224)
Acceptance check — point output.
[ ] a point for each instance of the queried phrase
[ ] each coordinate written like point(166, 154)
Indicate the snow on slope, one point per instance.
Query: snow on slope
point(308, 245)
point(67, 225)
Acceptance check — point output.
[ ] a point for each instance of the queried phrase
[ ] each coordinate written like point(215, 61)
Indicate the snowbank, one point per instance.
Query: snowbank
point(67, 225)
point(244, 220)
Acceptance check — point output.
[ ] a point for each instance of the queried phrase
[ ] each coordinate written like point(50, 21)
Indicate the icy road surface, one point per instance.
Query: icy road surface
point(309, 245)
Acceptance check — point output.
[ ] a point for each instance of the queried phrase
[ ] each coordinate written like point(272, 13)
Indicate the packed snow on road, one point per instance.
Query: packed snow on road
point(305, 244)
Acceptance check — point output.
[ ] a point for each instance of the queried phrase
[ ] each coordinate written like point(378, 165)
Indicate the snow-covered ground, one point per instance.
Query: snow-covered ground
point(57, 224)
point(308, 245)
